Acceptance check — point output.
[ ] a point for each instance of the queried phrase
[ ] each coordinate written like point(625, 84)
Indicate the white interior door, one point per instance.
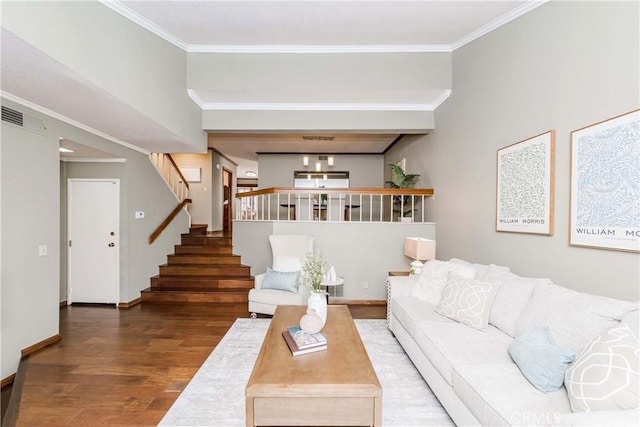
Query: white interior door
point(94, 240)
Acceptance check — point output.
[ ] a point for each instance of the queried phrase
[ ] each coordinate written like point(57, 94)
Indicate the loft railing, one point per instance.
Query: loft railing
point(334, 204)
point(169, 170)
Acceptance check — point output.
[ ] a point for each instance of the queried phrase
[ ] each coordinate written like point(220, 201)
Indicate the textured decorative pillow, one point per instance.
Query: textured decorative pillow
point(467, 301)
point(428, 287)
point(574, 318)
point(511, 300)
point(287, 263)
point(281, 280)
point(541, 362)
point(633, 320)
point(605, 375)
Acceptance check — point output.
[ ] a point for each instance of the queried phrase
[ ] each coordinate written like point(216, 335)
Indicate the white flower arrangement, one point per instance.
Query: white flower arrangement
point(312, 273)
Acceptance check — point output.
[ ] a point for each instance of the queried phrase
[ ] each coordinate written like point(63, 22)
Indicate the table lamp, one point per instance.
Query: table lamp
point(420, 250)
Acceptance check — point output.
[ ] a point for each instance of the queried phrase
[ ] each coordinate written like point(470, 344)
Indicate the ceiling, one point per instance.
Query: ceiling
point(330, 26)
point(307, 25)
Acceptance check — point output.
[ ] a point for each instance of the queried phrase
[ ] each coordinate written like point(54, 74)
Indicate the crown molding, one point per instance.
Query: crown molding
point(143, 22)
point(517, 12)
point(307, 106)
point(69, 121)
point(92, 160)
point(318, 48)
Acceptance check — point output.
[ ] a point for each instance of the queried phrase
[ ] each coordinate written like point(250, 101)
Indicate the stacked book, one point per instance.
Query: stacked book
point(300, 342)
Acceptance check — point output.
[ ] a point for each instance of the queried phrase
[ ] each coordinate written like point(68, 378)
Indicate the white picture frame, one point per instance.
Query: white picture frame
point(605, 176)
point(525, 186)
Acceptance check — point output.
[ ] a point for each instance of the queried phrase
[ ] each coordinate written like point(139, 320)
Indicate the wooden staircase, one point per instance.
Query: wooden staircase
point(202, 269)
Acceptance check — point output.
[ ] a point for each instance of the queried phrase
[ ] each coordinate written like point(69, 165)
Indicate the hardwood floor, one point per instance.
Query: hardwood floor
point(126, 367)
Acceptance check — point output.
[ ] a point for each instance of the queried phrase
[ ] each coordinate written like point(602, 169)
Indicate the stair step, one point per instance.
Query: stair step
point(188, 239)
point(202, 282)
point(181, 259)
point(203, 249)
point(205, 270)
point(181, 296)
point(198, 229)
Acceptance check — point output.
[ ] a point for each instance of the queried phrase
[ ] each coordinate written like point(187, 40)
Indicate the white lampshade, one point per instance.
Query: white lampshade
point(420, 250)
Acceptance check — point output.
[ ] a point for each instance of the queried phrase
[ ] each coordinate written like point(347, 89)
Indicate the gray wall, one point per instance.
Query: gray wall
point(299, 78)
point(276, 170)
point(360, 252)
point(217, 196)
point(33, 215)
point(30, 218)
point(563, 66)
point(141, 189)
point(199, 192)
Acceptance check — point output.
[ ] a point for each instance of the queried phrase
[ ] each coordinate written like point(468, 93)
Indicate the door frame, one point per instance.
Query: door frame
point(229, 223)
point(117, 273)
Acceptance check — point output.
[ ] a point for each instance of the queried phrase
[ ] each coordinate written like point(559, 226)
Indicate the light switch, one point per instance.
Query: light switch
point(139, 214)
point(42, 250)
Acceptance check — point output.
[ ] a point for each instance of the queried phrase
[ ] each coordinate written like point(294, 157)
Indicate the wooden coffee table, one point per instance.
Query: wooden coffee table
point(337, 386)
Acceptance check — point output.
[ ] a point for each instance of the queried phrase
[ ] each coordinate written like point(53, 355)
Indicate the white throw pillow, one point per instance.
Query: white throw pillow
point(604, 376)
point(511, 300)
point(489, 273)
point(467, 301)
point(574, 318)
point(429, 284)
point(496, 273)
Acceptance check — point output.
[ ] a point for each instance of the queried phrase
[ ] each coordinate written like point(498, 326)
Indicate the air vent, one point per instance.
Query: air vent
point(12, 116)
point(317, 138)
point(23, 121)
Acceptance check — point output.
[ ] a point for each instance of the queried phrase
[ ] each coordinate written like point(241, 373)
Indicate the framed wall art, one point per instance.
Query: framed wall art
point(605, 184)
point(192, 174)
point(525, 186)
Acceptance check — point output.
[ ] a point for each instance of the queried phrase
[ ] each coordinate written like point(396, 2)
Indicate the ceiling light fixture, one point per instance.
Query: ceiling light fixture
point(65, 150)
point(251, 174)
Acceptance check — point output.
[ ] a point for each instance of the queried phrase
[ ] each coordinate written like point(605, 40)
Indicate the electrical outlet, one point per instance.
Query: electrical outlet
point(365, 285)
point(42, 250)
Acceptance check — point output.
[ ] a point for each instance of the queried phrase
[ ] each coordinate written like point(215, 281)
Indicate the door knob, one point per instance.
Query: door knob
point(111, 244)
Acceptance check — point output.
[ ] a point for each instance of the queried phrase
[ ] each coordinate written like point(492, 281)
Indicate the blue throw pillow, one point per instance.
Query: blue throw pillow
point(541, 362)
point(283, 281)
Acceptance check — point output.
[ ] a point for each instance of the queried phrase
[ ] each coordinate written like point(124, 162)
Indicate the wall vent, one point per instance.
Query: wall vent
point(23, 121)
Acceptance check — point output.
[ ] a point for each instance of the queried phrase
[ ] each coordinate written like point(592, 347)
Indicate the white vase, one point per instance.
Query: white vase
point(318, 302)
point(311, 323)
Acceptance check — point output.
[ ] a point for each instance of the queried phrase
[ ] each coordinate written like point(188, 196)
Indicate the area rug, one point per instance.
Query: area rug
point(215, 395)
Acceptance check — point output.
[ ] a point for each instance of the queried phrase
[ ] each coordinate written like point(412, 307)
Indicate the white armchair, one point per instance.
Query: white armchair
point(288, 251)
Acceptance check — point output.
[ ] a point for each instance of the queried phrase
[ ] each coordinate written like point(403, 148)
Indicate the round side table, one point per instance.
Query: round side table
point(332, 283)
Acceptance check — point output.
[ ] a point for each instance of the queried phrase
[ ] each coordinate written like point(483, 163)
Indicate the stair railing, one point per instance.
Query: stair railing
point(169, 170)
point(178, 184)
point(334, 204)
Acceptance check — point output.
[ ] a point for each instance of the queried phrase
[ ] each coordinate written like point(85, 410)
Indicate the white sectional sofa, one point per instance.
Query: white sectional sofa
point(470, 369)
